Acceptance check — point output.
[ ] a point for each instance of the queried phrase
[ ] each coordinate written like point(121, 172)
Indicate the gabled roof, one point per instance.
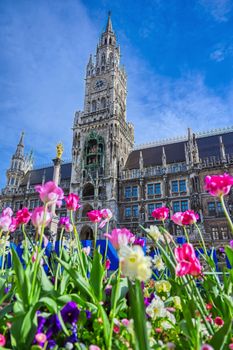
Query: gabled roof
point(152, 155)
point(36, 176)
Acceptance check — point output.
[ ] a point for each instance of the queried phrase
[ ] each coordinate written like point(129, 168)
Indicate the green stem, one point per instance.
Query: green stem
point(59, 265)
point(106, 246)
point(95, 237)
point(201, 237)
point(38, 250)
point(226, 213)
point(113, 311)
point(79, 247)
point(4, 249)
point(186, 234)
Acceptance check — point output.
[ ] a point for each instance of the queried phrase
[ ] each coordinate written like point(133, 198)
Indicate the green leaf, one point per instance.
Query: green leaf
point(50, 304)
point(46, 285)
point(20, 279)
point(83, 285)
point(97, 275)
point(220, 338)
point(106, 323)
point(229, 253)
point(138, 314)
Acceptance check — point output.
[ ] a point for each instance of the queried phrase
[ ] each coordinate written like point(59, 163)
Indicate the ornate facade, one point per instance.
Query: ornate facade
point(107, 170)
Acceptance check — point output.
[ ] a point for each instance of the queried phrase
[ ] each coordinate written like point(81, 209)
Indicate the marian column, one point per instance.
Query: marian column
point(56, 177)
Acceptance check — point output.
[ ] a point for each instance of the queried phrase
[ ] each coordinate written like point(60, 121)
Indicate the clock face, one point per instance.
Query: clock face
point(99, 84)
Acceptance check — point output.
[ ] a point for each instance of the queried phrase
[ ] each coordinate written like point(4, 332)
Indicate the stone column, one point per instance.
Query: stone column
point(55, 219)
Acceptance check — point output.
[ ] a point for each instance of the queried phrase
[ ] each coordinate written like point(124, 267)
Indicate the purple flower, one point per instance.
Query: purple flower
point(41, 322)
point(221, 250)
point(231, 244)
point(54, 326)
point(70, 312)
point(74, 336)
point(88, 314)
point(139, 241)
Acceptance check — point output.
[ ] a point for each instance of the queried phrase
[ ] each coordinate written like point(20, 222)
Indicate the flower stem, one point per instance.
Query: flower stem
point(106, 245)
point(201, 237)
point(186, 234)
point(59, 265)
point(113, 311)
point(226, 213)
point(95, 236)
point(38, 250)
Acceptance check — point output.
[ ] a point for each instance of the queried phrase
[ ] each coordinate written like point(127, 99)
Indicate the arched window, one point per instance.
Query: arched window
point(93, 106)
point(88, 191)
point(103, 102)
point(110, 41)
point(103, 59)
point(105, 41)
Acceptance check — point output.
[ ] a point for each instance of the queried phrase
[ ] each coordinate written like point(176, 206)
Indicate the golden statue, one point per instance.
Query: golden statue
point(60, 150)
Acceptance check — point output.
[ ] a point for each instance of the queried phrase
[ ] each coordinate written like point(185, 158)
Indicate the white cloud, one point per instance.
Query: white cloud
point(218, 9)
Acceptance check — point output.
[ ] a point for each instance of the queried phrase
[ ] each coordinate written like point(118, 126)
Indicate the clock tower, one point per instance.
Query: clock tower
point(102, 138)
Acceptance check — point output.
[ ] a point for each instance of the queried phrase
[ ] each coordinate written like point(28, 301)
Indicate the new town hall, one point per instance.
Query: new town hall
point(108, 171)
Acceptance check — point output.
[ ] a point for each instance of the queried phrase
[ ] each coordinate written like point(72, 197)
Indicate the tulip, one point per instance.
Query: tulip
point(177, 218)
point(65, 223)
point(5, 222)
point(188, 264)
point(7, 211)
point(23, 216)
point(206, 347)
point(120, 237)
point(218, 185)
point(72, 202)
point(2, 340)
point(94, 216)
point(39, 217)
point(106, 215)
point(160, 213)
point(189, 217)
point(50, 193)
point(94, 347)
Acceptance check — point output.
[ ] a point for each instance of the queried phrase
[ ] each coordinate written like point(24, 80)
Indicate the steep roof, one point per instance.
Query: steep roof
point(36, 175)
point(152, 155)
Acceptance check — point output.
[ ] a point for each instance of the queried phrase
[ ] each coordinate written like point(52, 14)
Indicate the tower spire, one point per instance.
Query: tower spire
point(21, 143)
point(109, 23)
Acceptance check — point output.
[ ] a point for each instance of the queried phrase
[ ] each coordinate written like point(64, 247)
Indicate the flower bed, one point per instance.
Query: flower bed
point(73, 301)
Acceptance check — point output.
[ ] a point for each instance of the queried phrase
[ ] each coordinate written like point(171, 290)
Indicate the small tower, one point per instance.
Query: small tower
point(164, 158)
point(17, 168)
point(222, 150)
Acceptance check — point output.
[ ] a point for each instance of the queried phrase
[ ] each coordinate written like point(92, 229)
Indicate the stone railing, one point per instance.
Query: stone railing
point(153, 171)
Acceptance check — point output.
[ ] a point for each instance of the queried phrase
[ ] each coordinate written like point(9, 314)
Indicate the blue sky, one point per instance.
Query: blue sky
point(178, 56)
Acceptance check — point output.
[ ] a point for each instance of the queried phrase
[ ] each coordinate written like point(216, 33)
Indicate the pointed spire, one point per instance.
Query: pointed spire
point(109, 23)
point(90, 60)
point(21, 139)
point(141, 160)
point(164, 158)
point(222, 150)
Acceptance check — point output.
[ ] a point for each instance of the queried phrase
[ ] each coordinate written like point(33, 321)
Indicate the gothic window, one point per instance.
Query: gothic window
point(182, 185)
point(110, 41)
point(157, 188)
point(103, 102)
point(105, 41)
point(88, 191)
point(103, 59)
point(93, 106)
point(111, 61)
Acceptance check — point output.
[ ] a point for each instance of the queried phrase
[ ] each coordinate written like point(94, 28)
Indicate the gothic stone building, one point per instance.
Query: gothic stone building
point(107, 171)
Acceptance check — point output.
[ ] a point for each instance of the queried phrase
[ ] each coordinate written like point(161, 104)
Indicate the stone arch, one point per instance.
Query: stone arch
point(93, 106)
point(88, 190)
point(86, 233)
point(103, 102)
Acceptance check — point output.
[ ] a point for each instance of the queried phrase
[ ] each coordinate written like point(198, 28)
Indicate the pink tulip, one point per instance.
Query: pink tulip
point(106, 215)
point(177, 218)
point(125, 322)
point(107, 264)
point(7, 211)
point(94, 216)
point(23, 216)
point(94, 347)
point(72, 202)
point(160, 213)
point(5, 222)
point(189, 217)
point(2, 340)
point(40, 338)
point(206, 347)
point(37, 217)
point(120, 237)
point(86, 250)
point(218, 185)
point(65, 223)
point(13, 225)
point(188, 264)
point(50, 193)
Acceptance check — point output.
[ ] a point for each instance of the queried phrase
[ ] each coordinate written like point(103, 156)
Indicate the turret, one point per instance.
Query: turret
point(222, 150)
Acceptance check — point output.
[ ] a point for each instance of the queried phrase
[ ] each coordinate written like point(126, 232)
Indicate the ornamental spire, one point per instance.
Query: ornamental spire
point(109, 23)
